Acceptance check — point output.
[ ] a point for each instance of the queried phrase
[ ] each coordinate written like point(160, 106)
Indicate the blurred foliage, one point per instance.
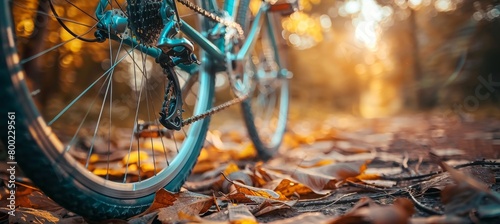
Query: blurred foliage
point(377, 58)
point(367, 57)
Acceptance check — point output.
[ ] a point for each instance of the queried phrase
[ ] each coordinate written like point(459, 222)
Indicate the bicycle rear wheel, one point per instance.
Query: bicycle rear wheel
point(89, 150)
point(266, 110)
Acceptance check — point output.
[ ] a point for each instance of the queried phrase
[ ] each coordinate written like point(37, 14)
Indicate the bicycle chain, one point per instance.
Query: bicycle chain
point(213, 17)
point(227, 23)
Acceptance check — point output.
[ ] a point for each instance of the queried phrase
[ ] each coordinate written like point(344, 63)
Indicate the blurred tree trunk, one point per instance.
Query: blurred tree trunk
point(415, 96)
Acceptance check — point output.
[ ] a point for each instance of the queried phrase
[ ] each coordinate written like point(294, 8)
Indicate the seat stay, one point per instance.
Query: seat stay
point(254, 32)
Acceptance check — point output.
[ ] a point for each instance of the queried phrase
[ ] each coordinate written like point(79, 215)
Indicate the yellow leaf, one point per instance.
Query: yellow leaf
point(94, 158)
point(104, 172)
point(134, 157)
point(255, 191)
point(247, 153)
point(203, 155)
point(231, 168)
point(204, 166)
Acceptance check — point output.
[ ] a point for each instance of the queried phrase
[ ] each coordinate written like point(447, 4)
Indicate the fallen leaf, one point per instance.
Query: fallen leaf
point(270, 205)
point(288, 188)
point(238, 176)
point(438, 182)
point(239, 214)
point(467, 194)
point(314, 217)
point(247, 152)
point(255, 191)
point(134, 157)
point(169, 205)
point(448, 152)
point(367, 211)
point(442, 219)
point(31, 215)
point(40, 201)
point(319, 179)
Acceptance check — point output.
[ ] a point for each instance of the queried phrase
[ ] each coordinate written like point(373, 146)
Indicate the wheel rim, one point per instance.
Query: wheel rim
point(196, 92)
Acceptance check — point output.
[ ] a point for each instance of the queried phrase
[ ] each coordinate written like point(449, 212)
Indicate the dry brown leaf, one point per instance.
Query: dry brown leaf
point(316, 162)
point(468, 194)
point(21, 200)
point(317, 218)
point(40, 201)
point(169, 205)
point(440, 181)
point(163, 199)
point(238, 176)
point(367, 211)
point(237, 197)
point(185, 217)
point(31, 215)
point(448, 152)
point(362, 174)
point(255, 191)
point(260, 174)
point(211, 179)
point(320, 178)
point(239, 214)
point(218, 217)
point(442, 219)
point(270, 205)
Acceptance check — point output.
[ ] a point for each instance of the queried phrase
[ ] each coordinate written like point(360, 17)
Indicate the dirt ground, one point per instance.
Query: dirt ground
point(334, 169)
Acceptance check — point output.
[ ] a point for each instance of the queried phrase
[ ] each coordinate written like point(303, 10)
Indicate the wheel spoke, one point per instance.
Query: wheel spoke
point(65, 109)
point(17, 4)
point(24, 61)
point(93, 141)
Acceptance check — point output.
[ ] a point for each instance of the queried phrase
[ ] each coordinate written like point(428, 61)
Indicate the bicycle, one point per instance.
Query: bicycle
point(230, 39)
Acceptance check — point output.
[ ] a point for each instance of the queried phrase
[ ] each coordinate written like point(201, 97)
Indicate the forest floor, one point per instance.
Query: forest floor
point(418, 168)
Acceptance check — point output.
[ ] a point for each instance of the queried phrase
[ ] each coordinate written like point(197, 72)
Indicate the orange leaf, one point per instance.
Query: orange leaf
point(289, 188)
point(254, 191)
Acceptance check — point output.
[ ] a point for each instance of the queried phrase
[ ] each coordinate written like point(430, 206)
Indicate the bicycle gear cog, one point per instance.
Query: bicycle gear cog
point(145, 20)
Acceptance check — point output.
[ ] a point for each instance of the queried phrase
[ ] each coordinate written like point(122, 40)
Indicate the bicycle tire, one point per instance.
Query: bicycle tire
point(38, 147)
point(266, 144)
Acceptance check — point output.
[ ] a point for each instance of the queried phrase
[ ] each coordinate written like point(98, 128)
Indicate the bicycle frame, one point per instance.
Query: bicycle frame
point(117, 25)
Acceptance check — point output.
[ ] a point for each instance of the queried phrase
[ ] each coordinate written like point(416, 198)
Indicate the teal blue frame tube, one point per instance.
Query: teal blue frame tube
point(202, 41)
point(254, 31)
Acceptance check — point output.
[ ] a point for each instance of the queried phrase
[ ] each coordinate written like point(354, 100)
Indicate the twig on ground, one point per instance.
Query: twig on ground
point(330, 204)
point(422, 206)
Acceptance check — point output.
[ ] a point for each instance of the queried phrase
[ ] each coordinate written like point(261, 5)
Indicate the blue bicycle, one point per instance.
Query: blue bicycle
point(155, 89)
